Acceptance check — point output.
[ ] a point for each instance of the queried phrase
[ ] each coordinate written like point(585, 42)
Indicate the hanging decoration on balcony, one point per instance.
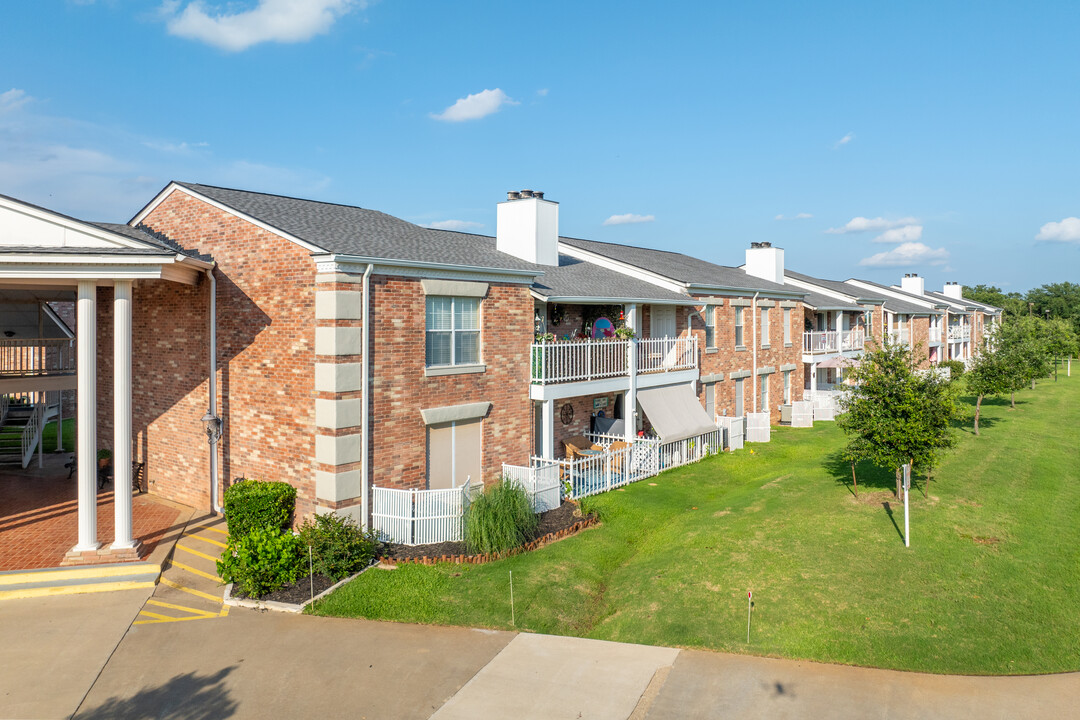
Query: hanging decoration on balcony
point(591, 314)
point(557, 314)
point(566, 414)
point(539, 321)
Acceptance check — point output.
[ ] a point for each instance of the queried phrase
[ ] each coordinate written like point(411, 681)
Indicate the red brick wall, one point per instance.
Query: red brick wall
point(727, 359)
point(265, 335)
point(400, 389)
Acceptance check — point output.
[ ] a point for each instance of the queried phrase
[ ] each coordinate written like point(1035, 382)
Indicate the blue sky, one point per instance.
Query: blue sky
point(867, 139)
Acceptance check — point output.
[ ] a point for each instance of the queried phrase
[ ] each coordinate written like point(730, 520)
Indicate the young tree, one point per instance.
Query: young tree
point(990, 374)
point(1061, 340)
point(1023, 342)
point(894, 415)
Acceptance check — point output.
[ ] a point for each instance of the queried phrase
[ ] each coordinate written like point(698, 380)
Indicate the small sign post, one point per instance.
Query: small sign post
point(907, 486)
point(749, 607)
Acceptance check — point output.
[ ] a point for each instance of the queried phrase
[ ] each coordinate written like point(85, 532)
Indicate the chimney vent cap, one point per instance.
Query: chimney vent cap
point(526, 193)
point(513, 195)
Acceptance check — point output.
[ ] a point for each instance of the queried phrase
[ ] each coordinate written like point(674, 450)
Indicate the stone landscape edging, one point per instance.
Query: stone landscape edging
point(491, 557)
point(285, 607)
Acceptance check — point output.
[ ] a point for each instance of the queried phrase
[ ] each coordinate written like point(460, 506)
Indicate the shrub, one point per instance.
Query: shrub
point(262, 561)
point(338, 546)
point(250, 504)
point(956, 368)
point(500, 519)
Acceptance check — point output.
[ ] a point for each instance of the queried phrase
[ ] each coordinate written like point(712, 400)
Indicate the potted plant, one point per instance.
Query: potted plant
point(104, 458)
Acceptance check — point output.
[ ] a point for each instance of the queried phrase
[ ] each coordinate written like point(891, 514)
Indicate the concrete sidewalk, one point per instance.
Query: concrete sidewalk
point(252, 664)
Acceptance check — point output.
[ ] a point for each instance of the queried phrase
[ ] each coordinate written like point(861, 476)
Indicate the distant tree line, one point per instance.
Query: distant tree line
point(1054, 300)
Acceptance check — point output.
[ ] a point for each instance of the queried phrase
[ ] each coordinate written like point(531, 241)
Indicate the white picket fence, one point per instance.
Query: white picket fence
point(420, 517)
point(540, 482)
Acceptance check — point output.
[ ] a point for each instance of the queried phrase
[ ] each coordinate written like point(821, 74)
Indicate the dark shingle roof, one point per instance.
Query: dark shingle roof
point(836, 286)
point(903, 306)
point(52, 250)
point(575, 278)
point(965, 302)
point(681, 268)
point(827, 302)
point(350, 230)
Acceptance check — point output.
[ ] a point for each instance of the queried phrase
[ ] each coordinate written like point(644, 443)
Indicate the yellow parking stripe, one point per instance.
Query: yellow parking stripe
point(192, 570)
point(224, 611)
point(191, 591)
point(183, 608)
point(168, 620)
point(214, 529)
point(155, 615)
point(186, 549)
point(198, 537)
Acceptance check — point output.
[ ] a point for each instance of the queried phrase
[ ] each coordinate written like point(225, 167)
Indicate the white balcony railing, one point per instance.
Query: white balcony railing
point(832, 341)
point(37, 356)
point(583, 360)
point(959, 333)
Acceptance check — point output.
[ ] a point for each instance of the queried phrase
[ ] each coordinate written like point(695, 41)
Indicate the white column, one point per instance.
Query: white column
point(813, 377)
point(630, 399)
point(87, 414)
point(122, 414)
point(60, 421)
point(547, 421)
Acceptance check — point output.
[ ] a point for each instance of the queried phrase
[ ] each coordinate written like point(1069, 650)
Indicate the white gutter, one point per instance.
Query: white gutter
point(215, 495)
point(365, 399)
point(754, 321)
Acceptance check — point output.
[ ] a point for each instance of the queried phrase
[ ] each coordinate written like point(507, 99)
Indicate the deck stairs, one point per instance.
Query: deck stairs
point(21, 427)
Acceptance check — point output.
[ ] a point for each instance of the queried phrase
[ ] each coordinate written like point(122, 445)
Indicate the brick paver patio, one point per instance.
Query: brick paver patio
point(39, 516)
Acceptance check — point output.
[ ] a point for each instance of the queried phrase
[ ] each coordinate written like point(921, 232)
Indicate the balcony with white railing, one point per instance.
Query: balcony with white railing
point(959, 333)
point(587, 360)
point(831, 342)
point(37, 356)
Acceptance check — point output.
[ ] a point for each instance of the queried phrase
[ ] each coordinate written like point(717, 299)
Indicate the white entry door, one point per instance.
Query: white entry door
point(662, 325)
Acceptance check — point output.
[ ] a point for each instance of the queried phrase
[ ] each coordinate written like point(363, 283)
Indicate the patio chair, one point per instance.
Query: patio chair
point(576, 444)
point(618, 461)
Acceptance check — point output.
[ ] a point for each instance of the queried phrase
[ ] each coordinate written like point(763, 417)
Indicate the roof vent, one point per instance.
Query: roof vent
point(513, 195)
point(538, 195)
point(765, 244)
point(526, 193)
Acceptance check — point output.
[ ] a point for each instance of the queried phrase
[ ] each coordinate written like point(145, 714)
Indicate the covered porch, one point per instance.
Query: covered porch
point(46, 257)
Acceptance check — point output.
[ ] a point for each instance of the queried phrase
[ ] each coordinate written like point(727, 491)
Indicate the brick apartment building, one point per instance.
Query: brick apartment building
point(350, 348)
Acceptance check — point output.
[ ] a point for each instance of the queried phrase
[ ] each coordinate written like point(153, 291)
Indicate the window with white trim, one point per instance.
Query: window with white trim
point(453, 331)
point(764, 380)
point(453, 454)
point(710, 326)
point(787, 326)
point(787, 387)
point(764, 326)
point(739, 397)
point(710, 399)
point(738, 327)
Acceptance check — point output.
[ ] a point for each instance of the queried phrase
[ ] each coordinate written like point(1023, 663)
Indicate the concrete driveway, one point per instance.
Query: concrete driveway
point(82, 655)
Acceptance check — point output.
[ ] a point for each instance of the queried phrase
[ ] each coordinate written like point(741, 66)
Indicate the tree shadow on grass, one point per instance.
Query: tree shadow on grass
point(870, 476)
point(184, 697)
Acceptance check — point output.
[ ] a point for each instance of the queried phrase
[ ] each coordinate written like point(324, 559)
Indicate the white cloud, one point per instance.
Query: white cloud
point(1066, 231)
point(797, 216)
point(844, 140)
point(12, 100)
point(456, 225)
point(905, 233)
point(907, 254)
point(181, 147)
point(628, 219)
point(542, 92)
point(283, 21)
point(474, 107)
point(862, 224)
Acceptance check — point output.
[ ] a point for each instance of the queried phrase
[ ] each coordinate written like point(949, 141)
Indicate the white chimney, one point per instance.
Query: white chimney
point(953, 290)
point(765, 262)
point(527, 227)
point(913, 284)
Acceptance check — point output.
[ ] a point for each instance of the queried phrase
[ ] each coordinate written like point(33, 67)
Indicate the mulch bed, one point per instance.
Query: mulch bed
point(554, 524)
point(296, 593)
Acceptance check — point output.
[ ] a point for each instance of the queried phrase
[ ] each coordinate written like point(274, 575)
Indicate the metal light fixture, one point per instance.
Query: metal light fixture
point(212, 427)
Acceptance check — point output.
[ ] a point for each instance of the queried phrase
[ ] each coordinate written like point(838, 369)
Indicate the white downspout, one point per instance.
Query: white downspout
point(754, 320)
point(215, 495)
point(365, 399)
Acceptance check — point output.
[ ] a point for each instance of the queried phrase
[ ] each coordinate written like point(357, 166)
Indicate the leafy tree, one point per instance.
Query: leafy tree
point(1059, 300)
point(1012, 303)
point(991, 374)
point(1061, 340)
point(1023, 341)
point(895, 415)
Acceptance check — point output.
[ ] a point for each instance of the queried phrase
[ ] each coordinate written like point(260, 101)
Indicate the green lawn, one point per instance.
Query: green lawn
point(48, 436)
point(991, 583)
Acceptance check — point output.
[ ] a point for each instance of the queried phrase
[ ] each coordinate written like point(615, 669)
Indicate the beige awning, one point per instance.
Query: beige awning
point(839, 361)
point(675, 412)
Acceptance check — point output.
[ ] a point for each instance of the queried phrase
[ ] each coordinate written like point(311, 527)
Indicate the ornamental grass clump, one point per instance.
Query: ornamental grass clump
point(500, 519)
